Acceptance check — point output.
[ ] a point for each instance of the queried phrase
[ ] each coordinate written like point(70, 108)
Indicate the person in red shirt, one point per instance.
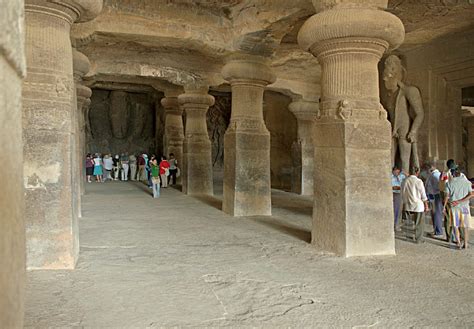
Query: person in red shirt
point(164, 171)
point(141, 168)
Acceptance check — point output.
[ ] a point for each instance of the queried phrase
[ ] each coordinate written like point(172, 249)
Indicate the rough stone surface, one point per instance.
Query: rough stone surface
point(303, 148)
point(469, 145)
point(48, 91)
point(282, 127)
point(12, 225)
point(174, 130)
point(197, 159)
point(121, 122)
point(49, 106)
point(440, 73)
point(352, 134)
point(218, 119)
point(404, 105)
point(247, 140)
point(81, 66)
point(180, 262)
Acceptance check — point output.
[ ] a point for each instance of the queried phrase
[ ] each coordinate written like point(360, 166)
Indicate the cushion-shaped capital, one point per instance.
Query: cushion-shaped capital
point(243, 67)
point(83, 91)
point(73, 10)
point(81, 63)
point(170, 103)
point(196, 99)
point(304, 110)
point(366, 23)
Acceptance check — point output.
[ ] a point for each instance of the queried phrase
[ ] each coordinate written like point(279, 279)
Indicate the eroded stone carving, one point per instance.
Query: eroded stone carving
point(405, 109)
point(121, 122)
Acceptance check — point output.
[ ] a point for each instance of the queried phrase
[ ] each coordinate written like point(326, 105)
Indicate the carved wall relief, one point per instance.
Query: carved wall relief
point(121, 122)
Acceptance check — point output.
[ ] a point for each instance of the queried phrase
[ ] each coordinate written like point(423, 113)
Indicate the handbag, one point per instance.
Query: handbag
point(167, 171)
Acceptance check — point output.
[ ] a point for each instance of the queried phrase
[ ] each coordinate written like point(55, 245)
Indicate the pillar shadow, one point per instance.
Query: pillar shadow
point(292, 203)
point(177, 187)
point(407, 235)
point(210, 200)
point(284, 227)
point(140, 186)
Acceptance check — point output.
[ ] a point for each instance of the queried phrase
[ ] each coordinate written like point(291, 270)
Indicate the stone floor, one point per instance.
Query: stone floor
point(179, 261)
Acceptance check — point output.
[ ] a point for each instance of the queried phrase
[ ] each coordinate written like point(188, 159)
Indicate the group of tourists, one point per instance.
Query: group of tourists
point(136, 167)
point(444, 194)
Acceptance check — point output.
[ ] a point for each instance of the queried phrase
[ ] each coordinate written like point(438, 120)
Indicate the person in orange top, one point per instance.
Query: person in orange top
point(164, 171)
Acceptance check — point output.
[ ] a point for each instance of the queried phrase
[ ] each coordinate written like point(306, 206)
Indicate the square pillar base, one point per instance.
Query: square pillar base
point(197, 171)
point(353, 213)
point(247, 190)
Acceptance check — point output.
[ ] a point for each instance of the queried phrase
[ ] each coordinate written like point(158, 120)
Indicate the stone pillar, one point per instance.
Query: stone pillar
point(12, 226)
point(303, 149)
point(468, 119)
point(197, 152)
point(81, 66)
point(174, 131)
point(353, 213)
point(49, 105)
point(247, 188)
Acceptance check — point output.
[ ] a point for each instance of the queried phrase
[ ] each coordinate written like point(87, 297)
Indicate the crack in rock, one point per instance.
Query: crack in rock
point(246, 299)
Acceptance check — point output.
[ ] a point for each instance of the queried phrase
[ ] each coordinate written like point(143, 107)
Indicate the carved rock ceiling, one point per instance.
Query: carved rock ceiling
point(184, 41)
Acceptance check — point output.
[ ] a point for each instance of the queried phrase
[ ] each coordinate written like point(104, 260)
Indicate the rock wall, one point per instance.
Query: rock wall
point(279, 121)
point(282, 125)
point(121, 121)
point(440, 69)
point(218, 118)
point(12, 225)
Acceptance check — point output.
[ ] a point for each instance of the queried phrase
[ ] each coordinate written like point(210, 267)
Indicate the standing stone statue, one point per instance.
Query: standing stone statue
point(405, 110)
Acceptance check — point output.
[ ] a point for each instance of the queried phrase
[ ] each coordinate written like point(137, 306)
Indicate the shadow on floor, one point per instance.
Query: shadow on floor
point(284, 227)
point(407, 234)
point(292, 203)
point(141, 186)
point(210, 201)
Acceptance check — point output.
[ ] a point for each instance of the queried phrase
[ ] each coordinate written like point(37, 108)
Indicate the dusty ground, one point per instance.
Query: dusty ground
point(179, 261)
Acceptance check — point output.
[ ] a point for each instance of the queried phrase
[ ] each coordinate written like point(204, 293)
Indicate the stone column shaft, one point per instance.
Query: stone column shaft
point(174, 130)
point(49, 107)
point(197, 169)
point(83, 102)
point(81, 66)
point(353, 213)
point(469, 126)
point(303, 149)
point(247, 188)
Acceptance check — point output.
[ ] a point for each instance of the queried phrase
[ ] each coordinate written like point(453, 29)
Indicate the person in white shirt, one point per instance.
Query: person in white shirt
point(397, 179)
point(434, 197)
point(457, 193)
point(415, 202)
point(108, 166)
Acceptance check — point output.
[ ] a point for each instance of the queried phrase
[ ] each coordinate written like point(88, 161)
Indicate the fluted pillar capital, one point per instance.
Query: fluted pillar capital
point(304, 109)
point(360, 23)
point(321, 5)
point(69, 10)
point(248, 69)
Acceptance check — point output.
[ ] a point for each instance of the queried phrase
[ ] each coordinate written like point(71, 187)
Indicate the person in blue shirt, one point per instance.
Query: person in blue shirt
point(397, 179)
